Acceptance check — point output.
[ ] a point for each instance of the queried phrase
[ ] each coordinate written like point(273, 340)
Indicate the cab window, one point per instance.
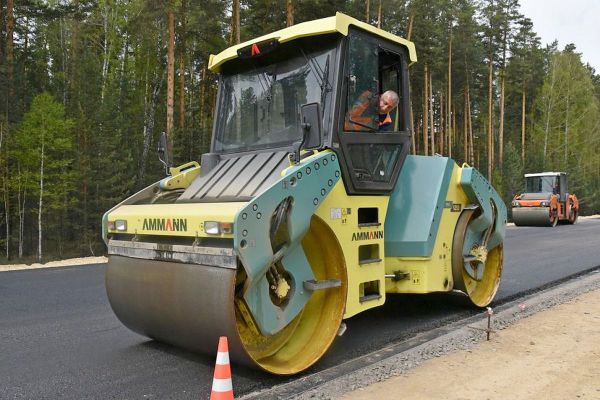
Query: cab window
point(363, 85)
point(372, 72)
point(372, 141)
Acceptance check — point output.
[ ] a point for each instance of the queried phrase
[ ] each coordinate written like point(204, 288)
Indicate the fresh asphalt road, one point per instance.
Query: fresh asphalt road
point(60, 339)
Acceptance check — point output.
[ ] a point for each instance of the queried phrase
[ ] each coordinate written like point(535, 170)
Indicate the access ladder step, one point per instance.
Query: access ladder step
point(369, 297)
point(312, 285)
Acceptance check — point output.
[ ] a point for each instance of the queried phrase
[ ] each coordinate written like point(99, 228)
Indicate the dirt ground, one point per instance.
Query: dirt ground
point(554, 354)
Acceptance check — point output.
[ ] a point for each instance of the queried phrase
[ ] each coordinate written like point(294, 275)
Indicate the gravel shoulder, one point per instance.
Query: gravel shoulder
point(54, 264)
point(544, 346)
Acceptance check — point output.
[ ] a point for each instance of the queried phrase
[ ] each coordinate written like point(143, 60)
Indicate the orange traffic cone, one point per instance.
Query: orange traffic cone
point(222, 388)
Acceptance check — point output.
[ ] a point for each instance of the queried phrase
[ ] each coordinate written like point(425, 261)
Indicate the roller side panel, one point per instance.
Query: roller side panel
point(433, 273)
point(362, 245)
point(456, 262)
point(415, 206)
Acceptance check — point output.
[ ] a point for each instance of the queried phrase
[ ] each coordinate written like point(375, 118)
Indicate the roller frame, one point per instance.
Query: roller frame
point(488, 229)
point(493, 211)
point(307, 184)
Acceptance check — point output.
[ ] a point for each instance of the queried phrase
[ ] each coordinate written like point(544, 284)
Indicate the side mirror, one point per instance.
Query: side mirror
point(311, 125)
point(164, 151)
point(310, 115)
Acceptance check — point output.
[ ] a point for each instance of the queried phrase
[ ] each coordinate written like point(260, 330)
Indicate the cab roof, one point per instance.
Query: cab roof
point(546, 174)
point(339, 23)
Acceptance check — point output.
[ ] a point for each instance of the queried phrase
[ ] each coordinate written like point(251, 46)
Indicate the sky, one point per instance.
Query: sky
point(568, 21)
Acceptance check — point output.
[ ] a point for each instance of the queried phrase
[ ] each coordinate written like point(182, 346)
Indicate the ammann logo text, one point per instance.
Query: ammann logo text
point(367, 235)
point(165, 224)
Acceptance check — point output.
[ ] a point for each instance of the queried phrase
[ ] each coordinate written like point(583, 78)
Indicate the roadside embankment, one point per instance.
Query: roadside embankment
point(546, 345)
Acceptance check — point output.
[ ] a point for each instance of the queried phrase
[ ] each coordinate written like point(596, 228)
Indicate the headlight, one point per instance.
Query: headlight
point(216, 228)
point(544, 204)
point(121, 225)
point(212, 227)
point(516, 203)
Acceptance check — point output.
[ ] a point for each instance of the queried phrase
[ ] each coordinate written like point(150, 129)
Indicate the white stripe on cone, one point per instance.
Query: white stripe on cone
point(222, 358)
point(221, 385)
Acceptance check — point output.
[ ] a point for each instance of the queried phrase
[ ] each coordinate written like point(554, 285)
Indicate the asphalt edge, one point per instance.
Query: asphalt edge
point(397, 359)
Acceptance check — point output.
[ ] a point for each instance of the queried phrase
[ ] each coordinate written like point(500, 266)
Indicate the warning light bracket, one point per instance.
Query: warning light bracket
point(258, 49)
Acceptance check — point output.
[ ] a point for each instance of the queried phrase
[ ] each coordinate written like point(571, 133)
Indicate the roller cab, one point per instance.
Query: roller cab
point(546, 201)
point(305, 212)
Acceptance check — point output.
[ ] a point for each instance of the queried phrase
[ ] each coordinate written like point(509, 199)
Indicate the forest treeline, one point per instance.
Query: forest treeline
point(87, 86)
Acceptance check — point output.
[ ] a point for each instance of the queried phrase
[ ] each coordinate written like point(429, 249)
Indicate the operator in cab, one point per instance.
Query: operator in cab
point(358, 117)
point(387, 102)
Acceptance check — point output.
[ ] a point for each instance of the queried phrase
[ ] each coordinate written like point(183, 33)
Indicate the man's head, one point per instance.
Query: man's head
point(388, 101)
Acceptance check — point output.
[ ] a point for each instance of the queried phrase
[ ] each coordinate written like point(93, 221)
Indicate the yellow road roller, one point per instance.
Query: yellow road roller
point(305, 212)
